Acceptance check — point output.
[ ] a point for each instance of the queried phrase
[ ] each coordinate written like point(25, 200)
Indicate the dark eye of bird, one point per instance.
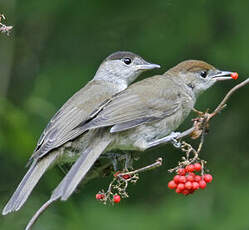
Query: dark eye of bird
point(127, 61)
point(203, 74)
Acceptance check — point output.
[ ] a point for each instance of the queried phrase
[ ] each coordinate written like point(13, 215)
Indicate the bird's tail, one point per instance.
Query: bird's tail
point(80, 168)
point(31, 178)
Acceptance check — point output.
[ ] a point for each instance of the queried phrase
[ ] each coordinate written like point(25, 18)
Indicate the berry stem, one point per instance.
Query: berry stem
point(154, 165)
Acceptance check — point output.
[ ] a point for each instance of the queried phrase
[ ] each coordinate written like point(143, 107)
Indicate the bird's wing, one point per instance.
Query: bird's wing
point(140, 103)
point(75, 111)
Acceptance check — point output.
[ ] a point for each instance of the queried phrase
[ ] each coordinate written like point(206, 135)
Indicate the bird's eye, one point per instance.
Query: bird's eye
point(203, 74)
point(127, 61)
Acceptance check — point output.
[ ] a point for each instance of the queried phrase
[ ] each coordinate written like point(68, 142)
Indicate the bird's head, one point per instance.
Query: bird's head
point(198, 75)
point(123, 66)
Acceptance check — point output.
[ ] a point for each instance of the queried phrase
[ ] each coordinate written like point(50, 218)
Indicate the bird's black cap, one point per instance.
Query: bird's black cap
point(120, 55)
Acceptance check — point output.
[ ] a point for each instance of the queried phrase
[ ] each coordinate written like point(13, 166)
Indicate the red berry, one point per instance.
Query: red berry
point(190, 178)
point(181, 171)
point(190, 168)
point(100, 196)
point(172, 184)
point(180, 186)
point(197, 178)
point(176, 178)
point(197, 166)
point(195, 185)
point(234, 75)
point(116, 198)
point(126, 176)
point(188, 185)
point(192, 174)
point(182, 179)
point(208, 178)
point(185, 192)
point(202, 184)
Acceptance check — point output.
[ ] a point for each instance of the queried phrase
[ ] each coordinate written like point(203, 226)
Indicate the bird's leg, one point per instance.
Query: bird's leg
point(172, 137)
point(116, 157)
point(128, 162)
point(113, 157)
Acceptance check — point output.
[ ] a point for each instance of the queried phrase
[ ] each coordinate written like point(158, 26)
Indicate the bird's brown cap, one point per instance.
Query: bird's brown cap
point(192, 66)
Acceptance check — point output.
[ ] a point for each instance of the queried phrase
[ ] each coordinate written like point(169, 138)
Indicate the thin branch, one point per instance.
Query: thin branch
point(154, 165)
point(229, 94)
point(38, 213)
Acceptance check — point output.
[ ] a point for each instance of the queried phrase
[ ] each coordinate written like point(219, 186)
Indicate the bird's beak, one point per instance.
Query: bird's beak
point(222, 75)
point(148, 66)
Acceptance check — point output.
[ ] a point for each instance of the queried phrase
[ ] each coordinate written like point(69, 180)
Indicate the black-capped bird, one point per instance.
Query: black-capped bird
point(115, 73)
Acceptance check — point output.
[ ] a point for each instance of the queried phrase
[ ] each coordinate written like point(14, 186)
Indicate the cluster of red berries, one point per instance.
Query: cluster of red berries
point(186, 181)
point(101, 196)
point(104, 197)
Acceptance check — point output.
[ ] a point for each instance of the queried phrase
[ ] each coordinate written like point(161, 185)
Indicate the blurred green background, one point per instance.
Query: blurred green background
point(56, 47)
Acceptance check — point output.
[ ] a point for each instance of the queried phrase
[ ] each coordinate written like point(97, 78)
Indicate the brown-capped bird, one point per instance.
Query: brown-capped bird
point(144, 115)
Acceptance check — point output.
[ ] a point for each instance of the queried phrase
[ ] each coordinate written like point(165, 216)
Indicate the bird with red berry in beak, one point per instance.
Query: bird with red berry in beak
point(144, 115)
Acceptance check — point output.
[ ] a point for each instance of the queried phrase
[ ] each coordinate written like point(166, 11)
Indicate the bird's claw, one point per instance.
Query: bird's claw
point(175, 142)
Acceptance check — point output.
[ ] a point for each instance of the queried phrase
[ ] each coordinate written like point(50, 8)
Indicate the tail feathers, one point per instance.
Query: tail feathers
point(79, 169)
point(35, 172)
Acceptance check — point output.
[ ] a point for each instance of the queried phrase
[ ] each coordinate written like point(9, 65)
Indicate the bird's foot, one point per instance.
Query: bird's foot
point(172, 137)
